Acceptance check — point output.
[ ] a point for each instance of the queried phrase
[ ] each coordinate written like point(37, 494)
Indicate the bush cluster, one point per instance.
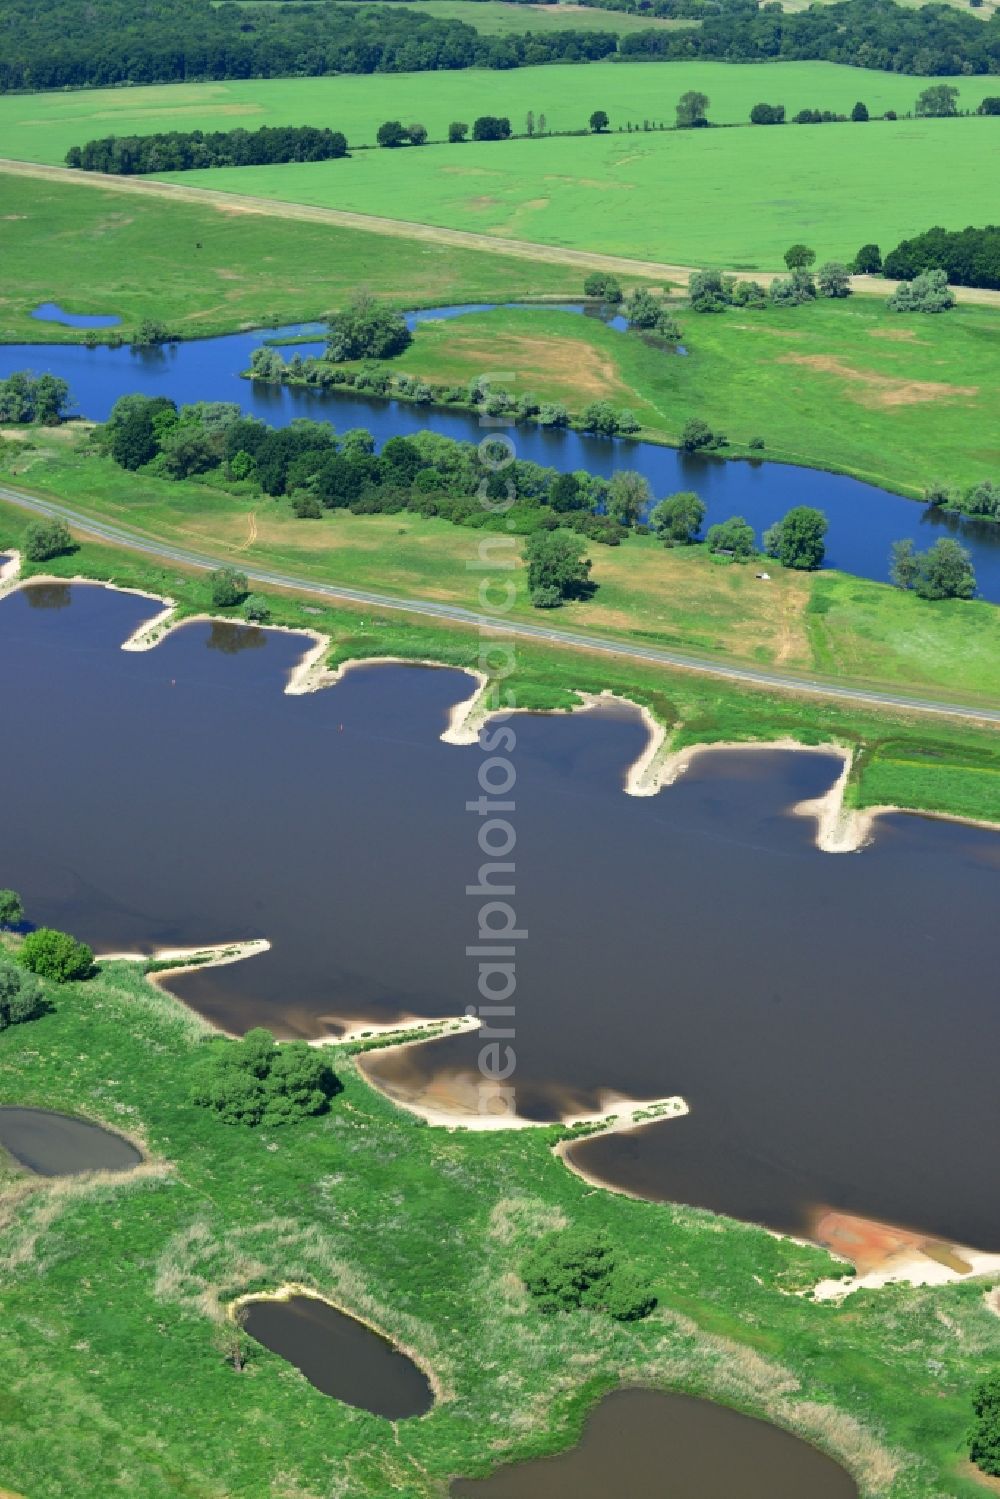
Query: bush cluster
point(578, 1267)
point(255, 1081)
point(20, 995)
point(190, 150)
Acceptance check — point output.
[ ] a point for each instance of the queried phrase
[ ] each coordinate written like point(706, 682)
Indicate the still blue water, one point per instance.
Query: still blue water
point(864, 520)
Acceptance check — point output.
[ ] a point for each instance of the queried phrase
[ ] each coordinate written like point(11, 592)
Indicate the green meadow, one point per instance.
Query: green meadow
point(496, 18)
point(733, 198)
point(41, 127)
point(113, 1375)
point(94, 251)
point(901, 400)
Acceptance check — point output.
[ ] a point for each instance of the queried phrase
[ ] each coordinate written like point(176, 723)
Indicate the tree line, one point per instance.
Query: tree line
point(50, 44)
point(876, 34)
point(969, 257)
point(188, 150)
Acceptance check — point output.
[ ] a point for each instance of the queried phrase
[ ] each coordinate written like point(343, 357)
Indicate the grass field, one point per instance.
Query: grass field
point(901, 400)
point(113, 1380)
point(734, 198)
point(41, 127)
point(495, 18)
point(898, 399)
point(840, 627)
point(93, 251)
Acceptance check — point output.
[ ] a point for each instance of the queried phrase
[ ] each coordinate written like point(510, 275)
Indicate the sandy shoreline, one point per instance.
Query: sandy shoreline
point(839, 829)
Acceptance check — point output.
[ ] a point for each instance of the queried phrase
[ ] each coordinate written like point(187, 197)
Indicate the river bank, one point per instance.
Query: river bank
point(493, 1194)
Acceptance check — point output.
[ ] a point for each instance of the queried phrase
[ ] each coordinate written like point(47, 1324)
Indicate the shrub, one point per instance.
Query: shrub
point(577, 1267)
point(600, 417)
point(20, 995)
point(392, 133)
point(305, 506)
point(367, 330)
point(928, 292)
point(46, 538)
point(834, 279)
point(457, 131)
point(710, 291)
point(646, 312)
point(793, 290)
point(150, 334)
point(11, 908)
point(799, 257)
point(556, 562)
point(254, 1081)
point(944, 571)
point(256, 608)
point(698, 435)
point(797, 541)
point(767, 114)
point(55, 955)
point(984, 1438)
point(601, 284)
point(678, 518)
point(733, 537)
point(868, 261)
point(749, 294)
point(491, 128)
point(228, 587)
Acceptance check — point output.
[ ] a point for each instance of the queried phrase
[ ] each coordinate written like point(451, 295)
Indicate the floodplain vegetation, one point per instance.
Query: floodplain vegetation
point(416, 1230)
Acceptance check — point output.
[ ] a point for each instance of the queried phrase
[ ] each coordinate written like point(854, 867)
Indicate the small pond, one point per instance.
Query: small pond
point(51, 312)
point(51, 1144)
point(341, 1356)
point(646, 1444)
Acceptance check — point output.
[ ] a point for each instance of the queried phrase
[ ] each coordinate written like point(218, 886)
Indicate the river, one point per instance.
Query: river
point(831, 1020)
point(864, 520)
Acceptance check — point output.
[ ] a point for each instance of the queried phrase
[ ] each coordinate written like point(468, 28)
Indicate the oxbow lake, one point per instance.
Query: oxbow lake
point(864, 520)
point(834, 1033)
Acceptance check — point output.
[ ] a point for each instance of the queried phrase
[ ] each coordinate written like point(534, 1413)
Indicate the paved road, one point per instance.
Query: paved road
point(495, 625)
point(463, 239)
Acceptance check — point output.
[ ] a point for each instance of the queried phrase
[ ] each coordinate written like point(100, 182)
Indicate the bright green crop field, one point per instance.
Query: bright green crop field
point(733, 198)
point(496, 18)
point(41, 127)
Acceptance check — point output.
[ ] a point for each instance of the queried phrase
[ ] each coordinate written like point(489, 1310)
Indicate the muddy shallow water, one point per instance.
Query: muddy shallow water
point(830, 1020)
point(52, 1144)
point(644, 1444)
point(340, 1356)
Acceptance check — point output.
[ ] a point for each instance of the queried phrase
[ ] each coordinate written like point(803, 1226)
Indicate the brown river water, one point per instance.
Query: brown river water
point(831, 1020)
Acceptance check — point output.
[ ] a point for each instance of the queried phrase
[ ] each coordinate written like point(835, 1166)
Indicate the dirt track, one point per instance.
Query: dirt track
point(462, 239)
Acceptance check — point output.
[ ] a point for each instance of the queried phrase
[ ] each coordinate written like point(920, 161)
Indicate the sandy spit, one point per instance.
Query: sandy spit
point(912, 1268)
point(215, 956)
point(617, 1113)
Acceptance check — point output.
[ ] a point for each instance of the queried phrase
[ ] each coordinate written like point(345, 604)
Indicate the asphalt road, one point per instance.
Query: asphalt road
point(497, 625)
